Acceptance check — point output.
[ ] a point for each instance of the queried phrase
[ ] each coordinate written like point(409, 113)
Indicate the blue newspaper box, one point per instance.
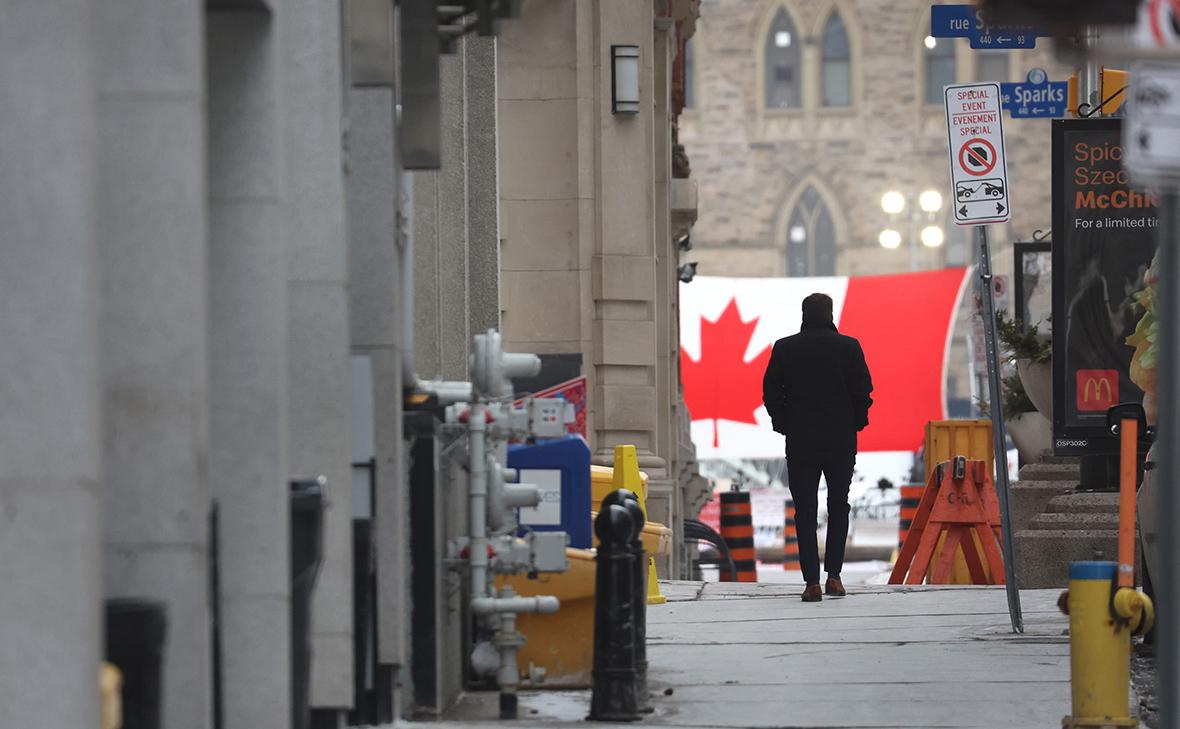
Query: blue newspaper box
point(561, 468)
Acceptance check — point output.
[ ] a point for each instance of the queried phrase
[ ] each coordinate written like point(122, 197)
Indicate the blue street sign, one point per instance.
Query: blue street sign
point(1035, 98)
point(964, 21)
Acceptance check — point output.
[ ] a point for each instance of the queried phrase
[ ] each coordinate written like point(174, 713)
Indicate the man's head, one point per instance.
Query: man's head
point(817, 310)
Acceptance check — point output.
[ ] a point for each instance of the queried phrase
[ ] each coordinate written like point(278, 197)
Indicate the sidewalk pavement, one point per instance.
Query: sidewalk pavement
point(753, 655)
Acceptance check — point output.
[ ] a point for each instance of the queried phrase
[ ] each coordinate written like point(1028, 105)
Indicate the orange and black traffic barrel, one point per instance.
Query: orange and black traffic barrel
point(790, 537)
point(737, 528)
point(911, 496)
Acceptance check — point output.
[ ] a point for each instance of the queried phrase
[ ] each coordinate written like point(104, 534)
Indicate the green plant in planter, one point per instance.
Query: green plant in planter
point(1022, 342)
point(1014, 399)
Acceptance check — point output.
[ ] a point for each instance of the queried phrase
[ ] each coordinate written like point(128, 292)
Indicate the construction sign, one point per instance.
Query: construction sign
point(979, 175)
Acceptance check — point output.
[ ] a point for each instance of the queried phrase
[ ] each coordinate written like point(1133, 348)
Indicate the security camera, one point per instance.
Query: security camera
point(687, 271)
point(684, 243)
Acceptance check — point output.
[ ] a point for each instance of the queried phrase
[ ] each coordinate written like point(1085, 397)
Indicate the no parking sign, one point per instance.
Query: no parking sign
point(979, 175)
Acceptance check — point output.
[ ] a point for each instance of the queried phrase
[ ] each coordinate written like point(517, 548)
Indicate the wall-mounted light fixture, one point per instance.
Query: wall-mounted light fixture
point(686, 272)
point(624, 79)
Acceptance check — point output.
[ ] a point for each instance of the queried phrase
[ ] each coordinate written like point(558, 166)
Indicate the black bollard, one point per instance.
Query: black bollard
point(626, 498)
point(615, 695)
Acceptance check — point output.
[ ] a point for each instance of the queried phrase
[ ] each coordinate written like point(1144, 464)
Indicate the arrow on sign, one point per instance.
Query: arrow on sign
point(1037, 110)
point(999, 208)
point(1003, 39)
point(963, 211)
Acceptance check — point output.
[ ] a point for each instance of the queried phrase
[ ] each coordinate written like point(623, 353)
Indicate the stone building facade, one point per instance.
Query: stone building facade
point(858, 122)
point(803, 113)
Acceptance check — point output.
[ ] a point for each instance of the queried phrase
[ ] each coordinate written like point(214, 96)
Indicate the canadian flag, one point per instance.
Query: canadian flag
point(728, 326)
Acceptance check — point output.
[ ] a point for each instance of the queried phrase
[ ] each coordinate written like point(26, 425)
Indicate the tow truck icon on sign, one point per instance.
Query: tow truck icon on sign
point(993, 187)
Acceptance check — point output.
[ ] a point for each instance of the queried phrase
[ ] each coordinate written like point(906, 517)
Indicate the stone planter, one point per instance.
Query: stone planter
point(1037, 379)
point(1032, 433)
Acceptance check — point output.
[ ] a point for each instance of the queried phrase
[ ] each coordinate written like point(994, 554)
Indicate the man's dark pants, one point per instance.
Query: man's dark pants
point(803, 472)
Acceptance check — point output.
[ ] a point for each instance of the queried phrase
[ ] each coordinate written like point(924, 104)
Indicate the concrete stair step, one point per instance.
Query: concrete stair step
point(1029, 498)
point(1043, 556)
point(1085, 502)
point(1051, 472)
point(1076, 520)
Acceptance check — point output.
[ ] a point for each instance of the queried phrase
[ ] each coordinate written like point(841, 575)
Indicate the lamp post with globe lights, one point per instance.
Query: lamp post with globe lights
point(929, 202)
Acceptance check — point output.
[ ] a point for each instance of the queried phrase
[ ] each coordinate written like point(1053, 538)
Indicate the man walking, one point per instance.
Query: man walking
point(816, 389)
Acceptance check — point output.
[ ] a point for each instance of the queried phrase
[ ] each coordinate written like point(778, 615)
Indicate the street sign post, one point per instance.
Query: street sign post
point(965, 21)
point(1036, 97)
point(1152, 132)
point(979, 174)
point(979, 189)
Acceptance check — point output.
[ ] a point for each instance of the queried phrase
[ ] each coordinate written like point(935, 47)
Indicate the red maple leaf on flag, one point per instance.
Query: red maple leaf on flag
point(722, 384)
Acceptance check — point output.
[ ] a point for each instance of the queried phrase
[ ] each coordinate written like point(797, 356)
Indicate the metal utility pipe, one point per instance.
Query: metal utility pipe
point(477, 500)
point(1167, 473)
point(543, 604)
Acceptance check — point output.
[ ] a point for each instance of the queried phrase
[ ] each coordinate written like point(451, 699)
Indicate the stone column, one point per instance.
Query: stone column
point(152, 242)
point(624, 267)
point(319, 392)
point(663, 502)
point(248, 467)
point(50, 440)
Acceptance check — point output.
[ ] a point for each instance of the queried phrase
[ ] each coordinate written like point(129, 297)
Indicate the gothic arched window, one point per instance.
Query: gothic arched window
point(940, 67)
point(836, 80)
point(782, 61)
point(811, 237)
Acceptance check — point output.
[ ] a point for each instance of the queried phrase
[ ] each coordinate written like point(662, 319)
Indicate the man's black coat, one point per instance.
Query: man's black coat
point(816, 389)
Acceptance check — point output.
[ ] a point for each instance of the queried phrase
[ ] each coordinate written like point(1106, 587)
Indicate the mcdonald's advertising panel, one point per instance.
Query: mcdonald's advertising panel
point(1104, 244)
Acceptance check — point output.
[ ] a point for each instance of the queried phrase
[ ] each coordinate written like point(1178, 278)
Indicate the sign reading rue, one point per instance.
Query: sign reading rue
point(965, 21)
point(979, 175)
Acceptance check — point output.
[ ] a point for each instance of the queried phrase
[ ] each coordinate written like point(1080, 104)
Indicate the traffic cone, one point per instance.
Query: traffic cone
point(911, 496)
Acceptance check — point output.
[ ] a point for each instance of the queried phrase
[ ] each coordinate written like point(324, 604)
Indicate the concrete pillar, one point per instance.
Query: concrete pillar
point(152, 241)
point(318, 368)
point(441, 290)
point(248, 466)
point(50, 442)
point(374, 199)
point(483, 190)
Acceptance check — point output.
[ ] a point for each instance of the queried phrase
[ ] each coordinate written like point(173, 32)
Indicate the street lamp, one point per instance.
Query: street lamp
point(894, 202)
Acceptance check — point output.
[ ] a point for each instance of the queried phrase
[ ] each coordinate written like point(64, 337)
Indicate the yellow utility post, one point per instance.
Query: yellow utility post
point(1105, 610)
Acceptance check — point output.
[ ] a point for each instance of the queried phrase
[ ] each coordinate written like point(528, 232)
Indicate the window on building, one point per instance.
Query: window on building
point(837, 64)
point(688, 75)
point(992, 66)
point(940, 67)
point(782, 61)
point(811, 237)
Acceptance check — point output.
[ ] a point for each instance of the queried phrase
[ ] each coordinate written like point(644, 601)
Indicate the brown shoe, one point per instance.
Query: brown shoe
point(813, 594)
point(835, 588)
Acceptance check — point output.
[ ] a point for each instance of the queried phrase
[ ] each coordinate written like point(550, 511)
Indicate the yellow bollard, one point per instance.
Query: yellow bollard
point(1100, 645)
point(627, 476)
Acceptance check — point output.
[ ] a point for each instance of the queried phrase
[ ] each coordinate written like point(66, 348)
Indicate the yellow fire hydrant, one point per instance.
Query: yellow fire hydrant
point(1100, 628)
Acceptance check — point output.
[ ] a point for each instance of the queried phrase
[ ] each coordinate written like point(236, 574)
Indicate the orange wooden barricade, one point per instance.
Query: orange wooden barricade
point(956, 507)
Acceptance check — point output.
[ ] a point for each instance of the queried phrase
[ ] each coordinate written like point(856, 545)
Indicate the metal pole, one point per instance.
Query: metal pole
point(993, 381)
point(1090, 74)
point(1167, 458)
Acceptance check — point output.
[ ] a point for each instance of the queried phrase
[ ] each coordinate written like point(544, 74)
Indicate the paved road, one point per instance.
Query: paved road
point(753, 655)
